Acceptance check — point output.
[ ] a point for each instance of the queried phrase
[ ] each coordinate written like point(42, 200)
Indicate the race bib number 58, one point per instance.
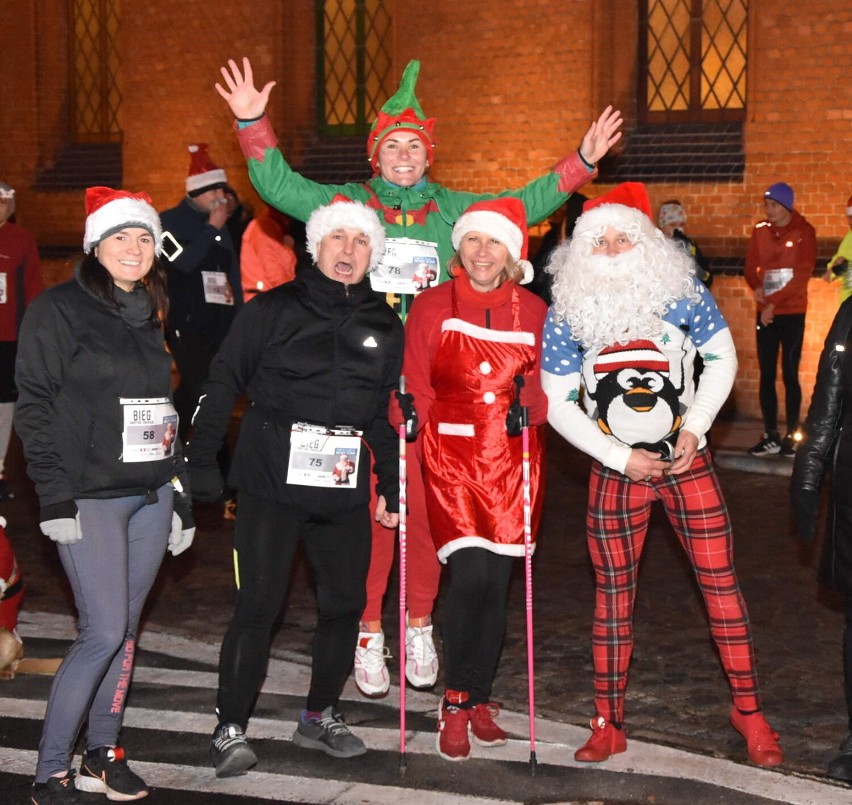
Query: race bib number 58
point(150, 429)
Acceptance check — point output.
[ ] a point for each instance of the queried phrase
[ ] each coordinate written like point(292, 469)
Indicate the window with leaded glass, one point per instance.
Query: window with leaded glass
point(355, 66)
point(693, 55)
point(95, 71)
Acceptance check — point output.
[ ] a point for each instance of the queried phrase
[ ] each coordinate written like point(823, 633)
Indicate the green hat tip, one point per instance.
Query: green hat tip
point(404, 97)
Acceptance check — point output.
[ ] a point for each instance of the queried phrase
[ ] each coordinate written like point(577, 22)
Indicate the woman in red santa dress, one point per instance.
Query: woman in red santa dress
point(466, 342)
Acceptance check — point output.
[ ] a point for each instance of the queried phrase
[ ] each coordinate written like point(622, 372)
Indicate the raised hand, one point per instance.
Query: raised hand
point(245, 100)
point(602, 135)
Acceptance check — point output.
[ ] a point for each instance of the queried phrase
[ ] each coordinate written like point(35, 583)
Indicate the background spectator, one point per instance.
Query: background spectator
point(20, 282)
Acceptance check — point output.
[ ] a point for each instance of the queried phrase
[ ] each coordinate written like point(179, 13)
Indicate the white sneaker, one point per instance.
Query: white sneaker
point(421, 659)
point(371, 673)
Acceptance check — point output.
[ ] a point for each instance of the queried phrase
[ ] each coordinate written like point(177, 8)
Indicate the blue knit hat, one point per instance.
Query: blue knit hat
point(782, 193)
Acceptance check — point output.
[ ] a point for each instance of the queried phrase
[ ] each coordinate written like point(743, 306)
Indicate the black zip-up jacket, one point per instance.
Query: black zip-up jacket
point(827, 443)
point(205, 248)
point(77, 357)
point(313, 350)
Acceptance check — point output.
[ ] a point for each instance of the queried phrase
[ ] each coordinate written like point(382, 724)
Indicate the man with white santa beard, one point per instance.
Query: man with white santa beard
point(627, 321)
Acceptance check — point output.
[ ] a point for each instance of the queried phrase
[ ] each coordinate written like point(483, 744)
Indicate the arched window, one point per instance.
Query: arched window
point(355, 65)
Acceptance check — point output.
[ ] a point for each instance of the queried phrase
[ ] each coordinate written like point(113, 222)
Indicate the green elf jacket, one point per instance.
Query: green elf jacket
point(425, 212)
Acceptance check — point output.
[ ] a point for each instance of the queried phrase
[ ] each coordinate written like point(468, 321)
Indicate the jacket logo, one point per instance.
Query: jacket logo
point(371, 342)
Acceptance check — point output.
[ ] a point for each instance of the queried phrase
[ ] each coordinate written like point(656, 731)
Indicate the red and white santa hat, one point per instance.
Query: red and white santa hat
point(204, 174)
point(108, 211)
point(504, 219)
point(641, 354)
point(343, 213)
point(625, 207)
point(849, 206)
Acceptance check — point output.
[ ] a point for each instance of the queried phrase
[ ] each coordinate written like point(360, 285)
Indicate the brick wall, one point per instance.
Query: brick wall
point(513, 83)
point(736, 302)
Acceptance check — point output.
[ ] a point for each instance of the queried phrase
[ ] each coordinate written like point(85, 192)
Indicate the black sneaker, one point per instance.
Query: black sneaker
point(329, 734)
point(229, 751)
point(769, 445)
point(788, 446)
point(56, 791)
point(105, 771)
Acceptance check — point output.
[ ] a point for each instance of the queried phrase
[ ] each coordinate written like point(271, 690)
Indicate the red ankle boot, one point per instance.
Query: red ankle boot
point(452, 740)
point(761, 739)
point(606, 741)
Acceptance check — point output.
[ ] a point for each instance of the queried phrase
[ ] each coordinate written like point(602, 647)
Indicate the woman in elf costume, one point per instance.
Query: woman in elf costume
point(418, 215)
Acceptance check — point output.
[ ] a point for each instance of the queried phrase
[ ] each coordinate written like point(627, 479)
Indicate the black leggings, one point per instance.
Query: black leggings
point(787, 331)
point(338, 551)
point(475, 620)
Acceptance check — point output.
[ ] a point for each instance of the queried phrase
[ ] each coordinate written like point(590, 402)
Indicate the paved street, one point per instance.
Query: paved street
point(680, 746)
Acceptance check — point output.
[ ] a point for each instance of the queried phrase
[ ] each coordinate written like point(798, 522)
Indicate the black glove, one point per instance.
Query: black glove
point(406, 405)
point(517, 417)
point(206, 483)
point(805, 505)
point(840, 266)
point(183, 509)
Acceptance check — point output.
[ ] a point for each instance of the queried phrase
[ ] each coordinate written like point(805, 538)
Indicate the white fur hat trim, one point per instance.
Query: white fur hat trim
point(121, 214)
point(490, 223)
point(345, 215)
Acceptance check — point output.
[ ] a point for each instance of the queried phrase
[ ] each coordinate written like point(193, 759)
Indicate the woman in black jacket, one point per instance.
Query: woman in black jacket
point(94, 414)
point(828, 441)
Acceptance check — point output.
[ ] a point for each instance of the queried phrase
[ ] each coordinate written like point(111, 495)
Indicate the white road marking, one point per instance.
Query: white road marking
point(555, 741)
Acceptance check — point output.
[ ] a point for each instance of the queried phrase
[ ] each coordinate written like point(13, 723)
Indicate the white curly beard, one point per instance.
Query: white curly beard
point(608, 300)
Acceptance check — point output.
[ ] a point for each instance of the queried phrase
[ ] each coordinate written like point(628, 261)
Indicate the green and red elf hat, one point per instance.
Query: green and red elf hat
point(402, 111)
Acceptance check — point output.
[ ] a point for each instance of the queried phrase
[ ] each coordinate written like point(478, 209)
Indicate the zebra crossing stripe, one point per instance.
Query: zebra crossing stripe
point(555, 741)
point(276, 787)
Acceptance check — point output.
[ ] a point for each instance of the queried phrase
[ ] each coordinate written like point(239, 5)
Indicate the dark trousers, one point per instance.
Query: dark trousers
point(192, 353)
point(787, 331)
point(265, 540)
point(475, 620)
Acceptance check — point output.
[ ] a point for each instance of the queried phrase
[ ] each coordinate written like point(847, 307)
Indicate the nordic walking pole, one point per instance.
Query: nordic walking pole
point(523, 415)
point(407, 432)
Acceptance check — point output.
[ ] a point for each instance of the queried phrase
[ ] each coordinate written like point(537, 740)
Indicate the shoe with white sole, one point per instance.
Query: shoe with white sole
point(421, 659)
point(371, 672)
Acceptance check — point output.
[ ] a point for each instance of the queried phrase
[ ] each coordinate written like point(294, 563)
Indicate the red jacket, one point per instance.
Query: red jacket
point(20, 264)
point(791, 246)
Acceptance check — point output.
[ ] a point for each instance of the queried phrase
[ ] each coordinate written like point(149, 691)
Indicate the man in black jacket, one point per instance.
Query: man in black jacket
point(318, 359)
point(827, 445)
point(204, 278)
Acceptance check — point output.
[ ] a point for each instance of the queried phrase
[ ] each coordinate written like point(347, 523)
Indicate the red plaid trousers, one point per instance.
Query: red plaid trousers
point(617, 524)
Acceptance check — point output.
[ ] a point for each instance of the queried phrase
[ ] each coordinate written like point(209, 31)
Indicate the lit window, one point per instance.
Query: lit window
point(355, 66)
point(694, 57)
point(95, 71)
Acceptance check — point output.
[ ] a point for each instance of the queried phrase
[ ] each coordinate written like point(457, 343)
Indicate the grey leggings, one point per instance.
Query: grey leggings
point(111, 570)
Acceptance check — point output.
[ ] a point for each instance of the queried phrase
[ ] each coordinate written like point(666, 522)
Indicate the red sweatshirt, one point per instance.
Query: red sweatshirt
point(787, 247)
point(20, 277)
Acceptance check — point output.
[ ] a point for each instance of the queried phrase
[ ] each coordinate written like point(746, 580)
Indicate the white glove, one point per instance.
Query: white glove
point(180, 538)
point(64, 530)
